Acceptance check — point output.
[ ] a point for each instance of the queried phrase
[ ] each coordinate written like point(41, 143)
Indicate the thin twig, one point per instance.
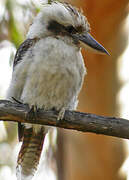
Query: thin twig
point(84, 122)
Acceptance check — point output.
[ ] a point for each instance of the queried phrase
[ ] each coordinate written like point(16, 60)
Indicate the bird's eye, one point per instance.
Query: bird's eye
point(71, 29)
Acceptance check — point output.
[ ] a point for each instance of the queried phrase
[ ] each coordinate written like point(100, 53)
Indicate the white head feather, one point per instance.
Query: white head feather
point(62, 13)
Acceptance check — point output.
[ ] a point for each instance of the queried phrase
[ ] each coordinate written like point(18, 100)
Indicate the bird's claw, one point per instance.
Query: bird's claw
point(16, 100)
point(61, 114)
point(32, 113)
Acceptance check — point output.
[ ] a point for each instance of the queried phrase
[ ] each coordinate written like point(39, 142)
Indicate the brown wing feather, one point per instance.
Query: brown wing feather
point(21, 51)
point(20, 131)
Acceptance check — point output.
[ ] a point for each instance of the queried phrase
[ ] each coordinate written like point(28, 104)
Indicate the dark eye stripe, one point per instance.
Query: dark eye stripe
point(55, 27)
point(71, 29)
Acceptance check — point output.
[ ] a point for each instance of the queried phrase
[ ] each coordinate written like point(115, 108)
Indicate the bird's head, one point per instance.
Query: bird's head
point(62, 19)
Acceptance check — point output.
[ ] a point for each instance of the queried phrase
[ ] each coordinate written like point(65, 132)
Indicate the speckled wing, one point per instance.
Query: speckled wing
point(21, 51)
point(23, 48)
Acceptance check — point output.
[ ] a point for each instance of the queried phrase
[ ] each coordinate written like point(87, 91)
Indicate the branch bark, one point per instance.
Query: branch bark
point(84, 122)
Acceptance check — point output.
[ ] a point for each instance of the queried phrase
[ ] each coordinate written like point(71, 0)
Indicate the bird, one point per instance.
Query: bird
point(48, 73)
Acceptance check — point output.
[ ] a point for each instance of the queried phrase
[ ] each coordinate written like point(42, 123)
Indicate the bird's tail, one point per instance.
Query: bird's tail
point(29, 154)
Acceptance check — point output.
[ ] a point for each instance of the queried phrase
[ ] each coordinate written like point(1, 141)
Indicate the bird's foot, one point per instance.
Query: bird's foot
point(16, 100)
point(61, 114)
point(32, 113)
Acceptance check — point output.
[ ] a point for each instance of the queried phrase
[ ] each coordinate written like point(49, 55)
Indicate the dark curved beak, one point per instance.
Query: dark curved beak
point(90, 42)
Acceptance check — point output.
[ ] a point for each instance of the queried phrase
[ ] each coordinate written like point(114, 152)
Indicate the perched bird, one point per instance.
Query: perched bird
point(48, 73)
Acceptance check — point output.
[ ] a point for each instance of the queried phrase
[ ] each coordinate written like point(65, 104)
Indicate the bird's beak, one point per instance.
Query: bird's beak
point(89, 42)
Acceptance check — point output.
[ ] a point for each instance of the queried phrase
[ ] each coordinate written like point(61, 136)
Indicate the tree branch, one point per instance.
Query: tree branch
point(84, 122)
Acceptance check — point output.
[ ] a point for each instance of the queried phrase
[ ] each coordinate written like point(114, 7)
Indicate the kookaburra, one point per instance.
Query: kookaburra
point(48, 73)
